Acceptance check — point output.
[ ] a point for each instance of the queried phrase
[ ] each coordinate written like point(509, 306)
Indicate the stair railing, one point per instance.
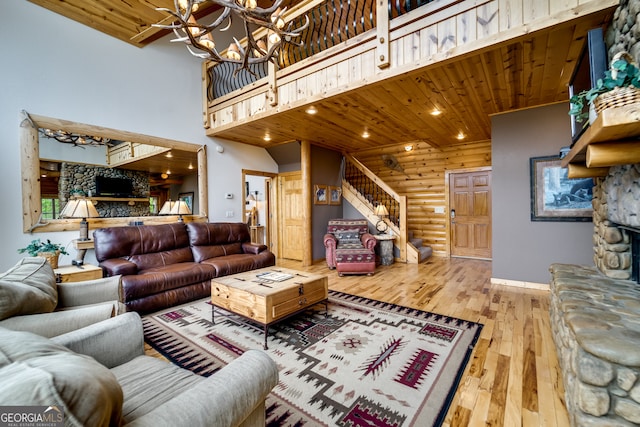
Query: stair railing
point(365, 190)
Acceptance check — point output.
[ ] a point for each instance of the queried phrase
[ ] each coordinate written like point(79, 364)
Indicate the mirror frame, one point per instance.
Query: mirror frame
point(30, 166)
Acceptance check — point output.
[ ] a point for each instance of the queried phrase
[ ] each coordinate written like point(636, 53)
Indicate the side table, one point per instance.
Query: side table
point(385, 242)
point(77, 273)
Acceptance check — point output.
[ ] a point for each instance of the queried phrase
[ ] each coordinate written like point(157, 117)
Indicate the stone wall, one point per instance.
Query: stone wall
point(76, 177)
point(624, 32)
point(594, 321)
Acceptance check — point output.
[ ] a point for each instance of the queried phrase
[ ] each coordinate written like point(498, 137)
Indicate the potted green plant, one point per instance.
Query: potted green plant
point(620, 86)
point(49, 250)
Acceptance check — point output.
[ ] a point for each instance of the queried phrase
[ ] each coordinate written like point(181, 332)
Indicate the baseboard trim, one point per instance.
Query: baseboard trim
point(520, 284)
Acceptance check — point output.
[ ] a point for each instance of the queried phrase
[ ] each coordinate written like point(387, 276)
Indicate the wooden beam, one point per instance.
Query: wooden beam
point(581, 171)
point(382, 27)
point(613, 153)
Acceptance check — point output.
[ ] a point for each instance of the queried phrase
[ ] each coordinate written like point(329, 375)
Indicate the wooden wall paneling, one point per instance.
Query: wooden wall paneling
point(428, 41)
point(488, 20)
point(447, 34)
point(301, 86)
point(556, 6)
point(332, 77)
point(342, 74)
point(355, 68)
point(536, 9)
point(466, 26)
point(511, 14)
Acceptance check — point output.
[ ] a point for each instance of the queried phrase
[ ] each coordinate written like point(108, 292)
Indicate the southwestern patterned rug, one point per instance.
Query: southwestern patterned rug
point(366, 363)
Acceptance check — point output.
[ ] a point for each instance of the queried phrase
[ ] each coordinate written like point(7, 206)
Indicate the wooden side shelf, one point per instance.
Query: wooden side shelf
point(616, 133)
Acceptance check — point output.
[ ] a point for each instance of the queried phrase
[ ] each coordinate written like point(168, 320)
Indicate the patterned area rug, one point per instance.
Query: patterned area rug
point(364, 363)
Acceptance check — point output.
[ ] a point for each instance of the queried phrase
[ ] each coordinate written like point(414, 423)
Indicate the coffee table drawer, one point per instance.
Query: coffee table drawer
point(299, 302)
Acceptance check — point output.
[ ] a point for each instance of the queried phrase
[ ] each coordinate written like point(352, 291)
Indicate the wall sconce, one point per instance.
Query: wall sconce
point(80, 208)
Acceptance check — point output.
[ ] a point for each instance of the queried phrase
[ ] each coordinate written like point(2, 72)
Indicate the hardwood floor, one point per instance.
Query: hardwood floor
point(513, 378)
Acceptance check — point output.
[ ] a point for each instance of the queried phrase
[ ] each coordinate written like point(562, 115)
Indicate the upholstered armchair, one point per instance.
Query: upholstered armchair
point(350, 248)
point(31, 300)
point(119, 385)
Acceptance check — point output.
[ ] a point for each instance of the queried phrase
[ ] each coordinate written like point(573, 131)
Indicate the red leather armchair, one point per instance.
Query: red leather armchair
point(350, 247)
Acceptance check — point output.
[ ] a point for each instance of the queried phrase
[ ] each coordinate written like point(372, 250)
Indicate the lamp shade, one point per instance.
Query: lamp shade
point(250, 198)
point(180, 208)
point(79, 208)
point(381, 210)
point(166, 208)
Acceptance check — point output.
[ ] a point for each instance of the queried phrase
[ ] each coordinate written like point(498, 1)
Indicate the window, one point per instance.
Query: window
point(50, 208)
point(153, 205)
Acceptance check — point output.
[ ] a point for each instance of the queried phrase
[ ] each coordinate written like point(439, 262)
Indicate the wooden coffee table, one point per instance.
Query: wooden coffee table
point(267, 295)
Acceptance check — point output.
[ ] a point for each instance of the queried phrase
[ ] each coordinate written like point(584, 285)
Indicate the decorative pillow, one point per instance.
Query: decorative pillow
point(348, 236)
point(36, 371)
point(29, 287)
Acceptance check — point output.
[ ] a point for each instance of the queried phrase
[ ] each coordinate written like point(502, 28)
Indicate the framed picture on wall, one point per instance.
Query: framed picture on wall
point(320, 196)
point(335, 195)
point(554, 196)
point(187, 198)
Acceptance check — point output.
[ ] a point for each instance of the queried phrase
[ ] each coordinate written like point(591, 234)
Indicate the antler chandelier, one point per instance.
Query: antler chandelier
point(74, 138)
point(266, 48)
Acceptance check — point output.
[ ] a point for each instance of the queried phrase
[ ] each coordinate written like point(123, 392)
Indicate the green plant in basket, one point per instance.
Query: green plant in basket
point(37, 246)
point(624, 73)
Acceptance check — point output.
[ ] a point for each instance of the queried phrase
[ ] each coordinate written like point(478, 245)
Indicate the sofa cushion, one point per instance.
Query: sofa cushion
point(232, 264)
point(349, 236)
point(36, 371)
point(29, 287)
point(200, 253)
point(148, 383)
point(161, 259)
point(163, 278)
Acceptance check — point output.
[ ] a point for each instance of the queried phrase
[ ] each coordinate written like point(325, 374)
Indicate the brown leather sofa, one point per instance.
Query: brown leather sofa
point(170, 264)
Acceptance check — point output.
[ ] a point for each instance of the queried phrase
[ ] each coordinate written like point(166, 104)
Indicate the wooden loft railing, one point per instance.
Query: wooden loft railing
point(433, 32)
point(331, 22)
point(364, 190)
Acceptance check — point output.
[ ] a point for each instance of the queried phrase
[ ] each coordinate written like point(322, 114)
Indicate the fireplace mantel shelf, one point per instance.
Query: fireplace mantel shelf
point(612, 139)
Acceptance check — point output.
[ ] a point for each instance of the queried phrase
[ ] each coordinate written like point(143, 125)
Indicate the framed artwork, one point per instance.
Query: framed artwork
point(335, 195)
point(554, 196)
point(188, 198)
point(320, 196)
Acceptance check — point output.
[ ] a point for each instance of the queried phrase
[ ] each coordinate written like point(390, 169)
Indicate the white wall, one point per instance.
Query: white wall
point(55, 67)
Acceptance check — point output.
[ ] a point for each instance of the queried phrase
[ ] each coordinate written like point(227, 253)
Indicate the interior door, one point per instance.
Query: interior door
point(291, 218)
point(470, 214)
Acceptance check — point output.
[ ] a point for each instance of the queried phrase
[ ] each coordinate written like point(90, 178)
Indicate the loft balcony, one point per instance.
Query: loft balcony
point(384, 67)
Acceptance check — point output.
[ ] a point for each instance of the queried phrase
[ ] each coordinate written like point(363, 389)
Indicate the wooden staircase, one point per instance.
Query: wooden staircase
point(364, 198)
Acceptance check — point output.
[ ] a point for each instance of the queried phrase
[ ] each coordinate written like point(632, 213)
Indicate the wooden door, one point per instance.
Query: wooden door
point(470, 214)
point(291, 218)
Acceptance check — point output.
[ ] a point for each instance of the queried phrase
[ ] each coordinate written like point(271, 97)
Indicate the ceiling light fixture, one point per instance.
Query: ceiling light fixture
point(267, 137)
point(365, 134)
point(74, 138)
point(311, 110)
point(190, 165)
point(189, 31)
point(460, 136)
point(408, 147)
point(169, 155)
point(436, 112)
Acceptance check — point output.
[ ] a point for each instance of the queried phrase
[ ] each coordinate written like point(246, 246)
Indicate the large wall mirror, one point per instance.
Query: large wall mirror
point(151, 169)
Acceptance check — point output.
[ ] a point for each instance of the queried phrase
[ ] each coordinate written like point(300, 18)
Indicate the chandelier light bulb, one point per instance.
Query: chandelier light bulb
point(233, 52)
point(207, 42)
point(274, 38)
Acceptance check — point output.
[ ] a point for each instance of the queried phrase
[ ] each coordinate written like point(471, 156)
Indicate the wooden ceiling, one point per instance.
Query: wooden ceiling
point(531, 71)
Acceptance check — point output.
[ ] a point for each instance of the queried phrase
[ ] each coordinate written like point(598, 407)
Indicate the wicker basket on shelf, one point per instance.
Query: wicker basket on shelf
point(619, 96)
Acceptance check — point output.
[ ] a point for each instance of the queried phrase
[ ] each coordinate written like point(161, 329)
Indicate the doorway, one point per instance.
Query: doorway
point(258, 205)
point(469, 225)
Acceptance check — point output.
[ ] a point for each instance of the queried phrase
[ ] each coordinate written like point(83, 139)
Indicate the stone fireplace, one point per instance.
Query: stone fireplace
point(616, 220)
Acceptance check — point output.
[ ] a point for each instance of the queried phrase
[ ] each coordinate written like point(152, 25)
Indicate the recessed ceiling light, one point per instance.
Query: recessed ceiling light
point(460, 136)
point(436, 112)
point(408, 147)
point(365, 134)
point(311, 110)
point(169, 155)
point(190, 166)
point(267, 137)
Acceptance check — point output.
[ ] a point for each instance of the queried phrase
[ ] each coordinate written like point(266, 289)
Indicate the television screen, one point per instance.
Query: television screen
point(591, 66)
point(114, 187)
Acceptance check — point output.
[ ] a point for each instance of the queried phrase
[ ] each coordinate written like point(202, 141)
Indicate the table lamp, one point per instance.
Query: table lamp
point(381, 211)
point(166, 208)
point(180, 208)
point(80, 208)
